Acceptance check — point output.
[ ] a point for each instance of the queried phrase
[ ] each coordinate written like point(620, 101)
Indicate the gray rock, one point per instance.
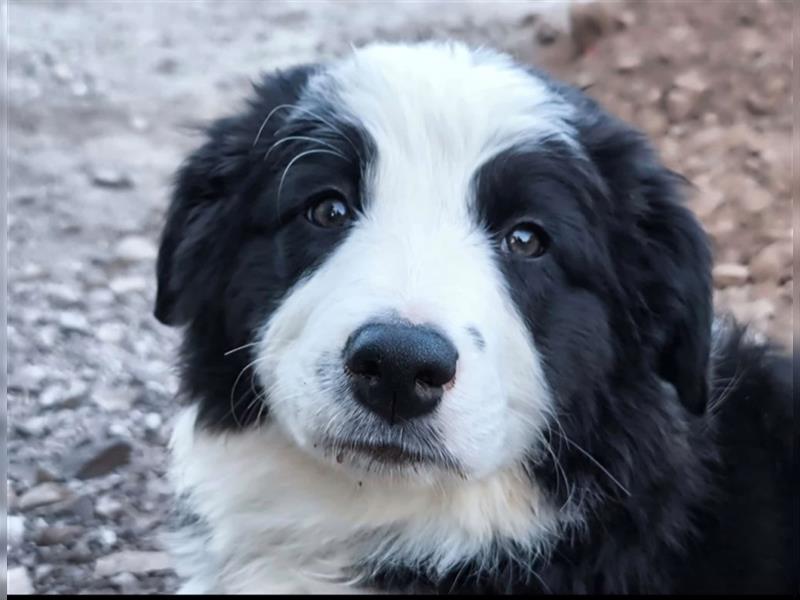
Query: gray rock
point(108, 508)
point(128, 285)
point(111, 333)
point(73, 322)
point(124, 581)
point(135, 249)
point(33, 427)
point(100, 459)
point(19, 582)
point(15, 530)
point(111, 178)
point(63, 534)
point(42, 495)
point(132, 561)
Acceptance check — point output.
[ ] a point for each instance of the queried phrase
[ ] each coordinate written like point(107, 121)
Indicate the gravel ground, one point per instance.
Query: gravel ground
point(102, 96)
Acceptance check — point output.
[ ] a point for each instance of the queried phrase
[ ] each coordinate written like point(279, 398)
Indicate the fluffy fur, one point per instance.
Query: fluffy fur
point(601, 433)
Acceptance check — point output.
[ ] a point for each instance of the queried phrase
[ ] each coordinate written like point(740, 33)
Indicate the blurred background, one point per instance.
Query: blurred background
point(101, 98)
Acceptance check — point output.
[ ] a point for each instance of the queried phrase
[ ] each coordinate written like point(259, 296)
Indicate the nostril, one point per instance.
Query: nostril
point(369, 368)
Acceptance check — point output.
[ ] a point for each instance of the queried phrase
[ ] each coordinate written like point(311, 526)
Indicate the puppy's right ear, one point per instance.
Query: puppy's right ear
point(200, 234)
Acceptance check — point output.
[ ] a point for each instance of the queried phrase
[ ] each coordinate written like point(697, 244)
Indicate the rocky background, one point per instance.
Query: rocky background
point(102, 98)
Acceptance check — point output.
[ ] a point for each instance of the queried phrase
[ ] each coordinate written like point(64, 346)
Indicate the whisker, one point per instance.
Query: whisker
point(298, 137)
point(298, 157)
point(242, 347)
point(596, 462)
point(235, 384)
point(266, 120)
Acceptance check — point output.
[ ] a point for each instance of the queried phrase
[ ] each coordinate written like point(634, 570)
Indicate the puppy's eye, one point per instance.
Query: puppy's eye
point(526, 240)
point(330, 212)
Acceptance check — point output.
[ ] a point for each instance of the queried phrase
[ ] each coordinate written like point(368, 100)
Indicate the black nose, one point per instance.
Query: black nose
point(398, 370)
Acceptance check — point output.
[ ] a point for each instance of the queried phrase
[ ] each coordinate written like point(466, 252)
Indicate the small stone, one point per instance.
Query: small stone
point(546, 34)
point(135, 249)
point(42, 495)
point(124, 581)
point(63, 296)
point(771, 262)
point(108, 508)
point(152, 421)
point(32, 271)
point(80, 553)
point(107, 537)
point(628, 62)
point(19, 582)
point(33, 427)
point(692, 81)
point(15, 530)
point(73, 321)
point(114, 398)
point(102, 460)
point(625, 19)
point(43, 474)
point(730, 274)
point(32, 376)
point(111, 178)
point(680, 104)
point(128, 284)
point(100, 296)
point(132, 561)
point(110, 333)
point(51, 536)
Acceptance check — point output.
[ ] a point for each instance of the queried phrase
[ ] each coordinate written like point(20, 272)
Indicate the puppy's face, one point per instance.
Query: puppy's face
point(415, 250)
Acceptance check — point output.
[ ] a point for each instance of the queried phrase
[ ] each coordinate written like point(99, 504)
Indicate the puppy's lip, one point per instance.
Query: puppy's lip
point(386, 452)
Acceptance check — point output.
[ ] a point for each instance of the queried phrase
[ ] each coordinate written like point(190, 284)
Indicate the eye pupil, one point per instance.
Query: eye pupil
point(526, 240)
point(329, 212)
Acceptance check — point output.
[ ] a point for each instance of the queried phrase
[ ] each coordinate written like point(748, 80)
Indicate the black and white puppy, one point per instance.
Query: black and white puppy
point(448, 327)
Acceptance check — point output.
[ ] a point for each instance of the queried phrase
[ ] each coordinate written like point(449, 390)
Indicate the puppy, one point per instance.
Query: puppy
point(448, 328)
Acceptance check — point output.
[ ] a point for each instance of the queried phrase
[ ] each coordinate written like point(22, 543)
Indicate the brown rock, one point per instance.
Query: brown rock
point(730, 274)
point(771, 262)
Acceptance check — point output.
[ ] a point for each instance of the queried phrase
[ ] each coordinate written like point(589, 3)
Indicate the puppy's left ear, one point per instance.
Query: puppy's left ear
point(663, 259)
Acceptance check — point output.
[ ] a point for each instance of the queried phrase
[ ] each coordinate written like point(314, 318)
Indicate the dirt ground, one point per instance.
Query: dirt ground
point(101, 98)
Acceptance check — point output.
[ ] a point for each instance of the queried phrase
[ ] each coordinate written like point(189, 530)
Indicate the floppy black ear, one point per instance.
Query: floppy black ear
point(663, 261)
point(200, 232)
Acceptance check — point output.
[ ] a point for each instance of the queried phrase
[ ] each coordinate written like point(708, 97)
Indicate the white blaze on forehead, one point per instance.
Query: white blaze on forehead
point(442, 109)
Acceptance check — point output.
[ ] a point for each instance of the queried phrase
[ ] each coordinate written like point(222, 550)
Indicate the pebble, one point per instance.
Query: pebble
point(111, 178)
point(124, 581)
point(132, 561)
point(19, 582)
point(108, 507)
point(15, 530)
point(771, 261)
point(110, 333)
point(680, 104)
point(57, 534)
point(135, 249)
point(73, 321)
point(43, 494)
point(102, 459)
point(152, 421)
point(730, 274)
point(128, 284)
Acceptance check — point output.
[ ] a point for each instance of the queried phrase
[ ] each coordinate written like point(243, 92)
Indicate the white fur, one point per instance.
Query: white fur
point(282, 522)
point(283, 516)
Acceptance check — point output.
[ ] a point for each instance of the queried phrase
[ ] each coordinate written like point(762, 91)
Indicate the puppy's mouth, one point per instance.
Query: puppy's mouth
point(373, 454)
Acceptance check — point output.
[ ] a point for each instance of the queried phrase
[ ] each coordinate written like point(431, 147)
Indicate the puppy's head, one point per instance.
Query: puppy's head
point(415, 260)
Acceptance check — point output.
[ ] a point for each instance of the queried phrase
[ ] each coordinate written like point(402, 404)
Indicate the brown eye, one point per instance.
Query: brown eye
point(329, 212)
point(527, 240)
